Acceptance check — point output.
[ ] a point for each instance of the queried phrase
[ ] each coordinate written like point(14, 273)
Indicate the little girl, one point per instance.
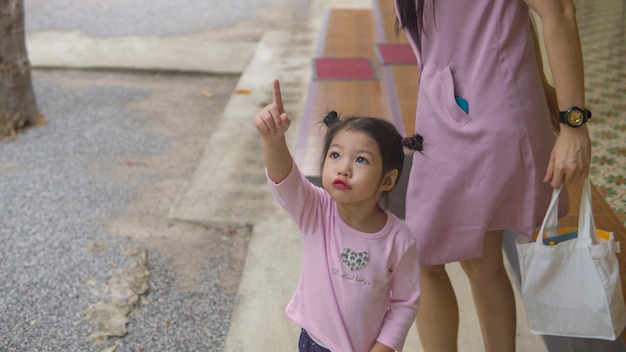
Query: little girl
point(360, 280)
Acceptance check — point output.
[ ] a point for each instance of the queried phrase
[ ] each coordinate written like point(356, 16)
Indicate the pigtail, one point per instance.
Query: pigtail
point(331, 118)
point(415, 142)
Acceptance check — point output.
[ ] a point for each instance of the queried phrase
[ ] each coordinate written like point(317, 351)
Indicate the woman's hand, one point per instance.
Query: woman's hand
point(570, 158)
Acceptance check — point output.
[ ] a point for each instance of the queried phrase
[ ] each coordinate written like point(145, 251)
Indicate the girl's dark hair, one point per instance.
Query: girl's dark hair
point(389, 141)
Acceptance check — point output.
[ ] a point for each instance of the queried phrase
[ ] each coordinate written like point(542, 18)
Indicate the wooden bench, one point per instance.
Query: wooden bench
point(391, 94)
point(349, 35)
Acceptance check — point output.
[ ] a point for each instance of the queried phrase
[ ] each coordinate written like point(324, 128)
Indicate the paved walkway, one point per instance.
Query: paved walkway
point(228, 186)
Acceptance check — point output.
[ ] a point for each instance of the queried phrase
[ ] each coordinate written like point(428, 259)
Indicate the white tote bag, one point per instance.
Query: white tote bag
point(572, 286)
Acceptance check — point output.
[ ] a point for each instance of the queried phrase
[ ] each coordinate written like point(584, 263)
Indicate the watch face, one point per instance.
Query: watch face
point(575, 118)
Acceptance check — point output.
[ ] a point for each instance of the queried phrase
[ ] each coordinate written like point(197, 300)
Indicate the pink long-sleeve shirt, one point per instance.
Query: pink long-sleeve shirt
point(356, 288)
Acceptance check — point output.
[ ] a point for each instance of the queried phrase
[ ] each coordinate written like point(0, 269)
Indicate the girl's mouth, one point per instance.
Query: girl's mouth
point(340, 184)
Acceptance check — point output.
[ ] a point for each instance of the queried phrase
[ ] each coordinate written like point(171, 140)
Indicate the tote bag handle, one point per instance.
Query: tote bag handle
point(586, 225)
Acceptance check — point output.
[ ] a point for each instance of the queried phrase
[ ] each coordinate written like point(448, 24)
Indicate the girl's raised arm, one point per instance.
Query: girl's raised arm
point(272, 122)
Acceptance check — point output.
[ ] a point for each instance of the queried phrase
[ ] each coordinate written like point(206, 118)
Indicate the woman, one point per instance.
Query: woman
point(491, 155)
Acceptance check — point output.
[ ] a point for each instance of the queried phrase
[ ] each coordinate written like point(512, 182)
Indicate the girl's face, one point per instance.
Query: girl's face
point(353, 169)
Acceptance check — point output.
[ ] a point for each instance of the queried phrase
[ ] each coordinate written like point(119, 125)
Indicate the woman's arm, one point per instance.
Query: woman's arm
point(571, 155)
point(272, 122)
point(548, 89)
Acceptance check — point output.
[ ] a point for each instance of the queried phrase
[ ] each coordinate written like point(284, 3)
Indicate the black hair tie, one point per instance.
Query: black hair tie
point(331, 118)
point(415, 142)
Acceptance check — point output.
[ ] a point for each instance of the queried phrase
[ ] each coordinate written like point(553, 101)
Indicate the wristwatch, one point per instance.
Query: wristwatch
point(574, 116)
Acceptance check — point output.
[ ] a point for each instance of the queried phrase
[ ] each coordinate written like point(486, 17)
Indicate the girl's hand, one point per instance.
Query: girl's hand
point(379, 347)
point(272, 121)
point(570, 158)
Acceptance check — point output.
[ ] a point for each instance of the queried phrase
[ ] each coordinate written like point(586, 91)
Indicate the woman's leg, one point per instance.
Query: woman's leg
point(493, 295)
point(438, 314)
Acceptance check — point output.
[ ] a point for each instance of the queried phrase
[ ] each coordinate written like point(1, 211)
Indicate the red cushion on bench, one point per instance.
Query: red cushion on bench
point(395, 54)
point(343, 69)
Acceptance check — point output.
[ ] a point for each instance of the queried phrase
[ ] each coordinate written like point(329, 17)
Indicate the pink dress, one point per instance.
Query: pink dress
point(483, 165)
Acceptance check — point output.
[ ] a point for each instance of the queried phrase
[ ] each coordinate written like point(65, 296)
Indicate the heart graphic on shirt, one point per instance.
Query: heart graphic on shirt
point(354, 260)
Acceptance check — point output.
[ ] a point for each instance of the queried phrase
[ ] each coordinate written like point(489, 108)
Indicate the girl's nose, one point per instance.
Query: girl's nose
point(343, 171)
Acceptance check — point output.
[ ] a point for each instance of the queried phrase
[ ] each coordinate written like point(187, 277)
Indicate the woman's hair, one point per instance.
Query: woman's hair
point(411, 15)
point(389, 141)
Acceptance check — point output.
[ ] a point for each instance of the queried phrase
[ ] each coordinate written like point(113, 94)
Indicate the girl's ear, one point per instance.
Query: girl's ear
point(389, 180)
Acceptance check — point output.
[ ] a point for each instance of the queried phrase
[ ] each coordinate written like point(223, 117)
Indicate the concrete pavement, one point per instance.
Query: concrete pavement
point(185, 53)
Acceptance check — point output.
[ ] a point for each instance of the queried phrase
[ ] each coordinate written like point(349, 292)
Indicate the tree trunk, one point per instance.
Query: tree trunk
point(18, 107)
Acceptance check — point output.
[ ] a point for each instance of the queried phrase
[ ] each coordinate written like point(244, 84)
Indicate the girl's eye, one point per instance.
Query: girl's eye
point(333, 155)
point(361, 160)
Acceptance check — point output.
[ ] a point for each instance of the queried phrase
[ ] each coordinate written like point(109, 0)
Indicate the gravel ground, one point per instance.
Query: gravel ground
point(83, 217)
